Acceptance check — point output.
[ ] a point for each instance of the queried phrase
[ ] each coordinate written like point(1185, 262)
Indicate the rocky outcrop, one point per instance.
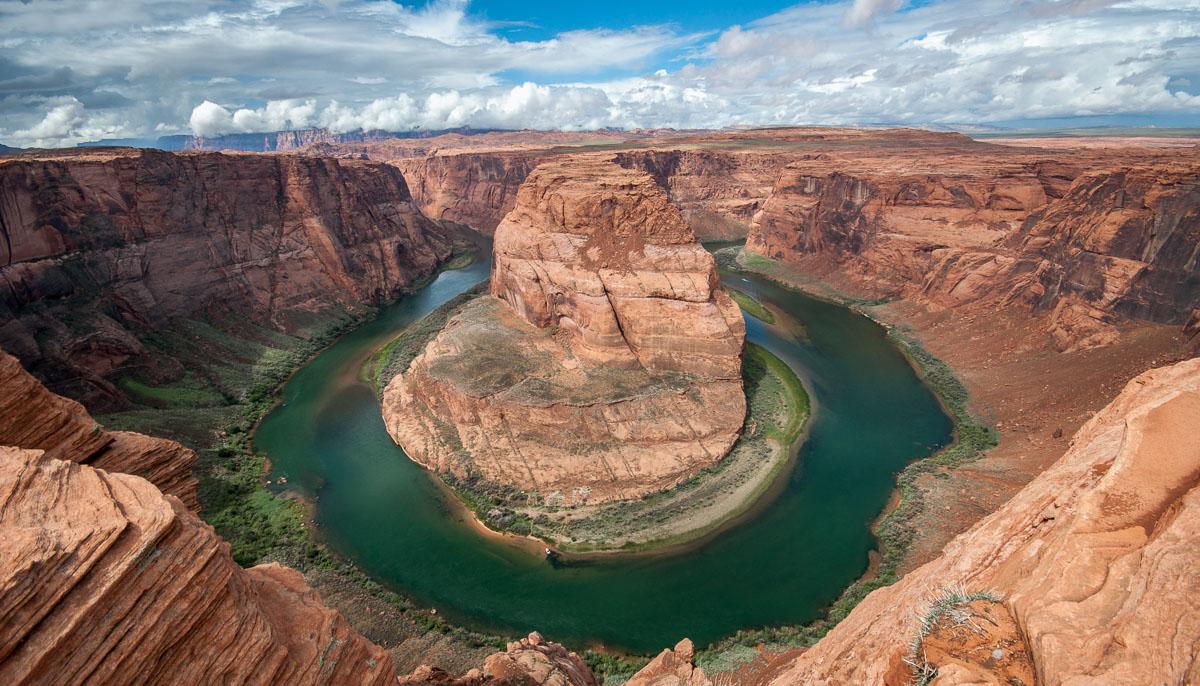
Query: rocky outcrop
point(104, 580)
point(101, 248)
point(531, 661)
point(34, 418)
point(606, 365)
point(672, 668)
point(600, 252)
point(1096, 559)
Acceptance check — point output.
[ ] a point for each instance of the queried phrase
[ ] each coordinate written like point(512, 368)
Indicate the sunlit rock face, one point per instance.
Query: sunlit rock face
point(106, 580)
point(605, 364)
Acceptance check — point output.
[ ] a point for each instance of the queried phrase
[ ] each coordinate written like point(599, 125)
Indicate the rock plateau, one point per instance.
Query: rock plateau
point(606, 364)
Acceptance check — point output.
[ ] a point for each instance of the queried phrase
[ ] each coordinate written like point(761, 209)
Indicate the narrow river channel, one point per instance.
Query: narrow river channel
point(873, 415)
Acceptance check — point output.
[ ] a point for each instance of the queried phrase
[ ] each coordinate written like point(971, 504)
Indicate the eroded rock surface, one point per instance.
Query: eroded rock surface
point(34, 418)
point(104, 580)
point(606, 365)
point(1098, 559)
point(102, 248)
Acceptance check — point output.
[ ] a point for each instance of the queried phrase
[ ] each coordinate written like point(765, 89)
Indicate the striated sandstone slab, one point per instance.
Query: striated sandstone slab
point(606, 365)
point(33, 417)
point(1098, 559)
point(104, 580)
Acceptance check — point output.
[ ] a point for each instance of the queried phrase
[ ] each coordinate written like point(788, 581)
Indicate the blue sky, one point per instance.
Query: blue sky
point(78, 70)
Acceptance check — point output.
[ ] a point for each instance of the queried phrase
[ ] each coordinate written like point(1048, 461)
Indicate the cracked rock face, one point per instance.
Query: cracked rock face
point(605, 364)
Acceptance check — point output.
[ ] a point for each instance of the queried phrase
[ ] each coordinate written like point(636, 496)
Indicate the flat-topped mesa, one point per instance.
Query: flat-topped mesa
point(607, 364)
point(599, 251)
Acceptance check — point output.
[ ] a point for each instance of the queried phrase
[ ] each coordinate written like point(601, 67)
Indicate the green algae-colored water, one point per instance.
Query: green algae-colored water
point(782, 566)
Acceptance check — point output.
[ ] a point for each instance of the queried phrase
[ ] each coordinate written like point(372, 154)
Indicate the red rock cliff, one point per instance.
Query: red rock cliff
point(99, 248)
point(999, 228)
point(606, 365)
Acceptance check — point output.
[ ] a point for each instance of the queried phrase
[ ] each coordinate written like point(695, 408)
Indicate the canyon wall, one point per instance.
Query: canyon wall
point(473, 189)
point(605, 365)
point(1097, 559)
point(101, 248)
point(1087, 249)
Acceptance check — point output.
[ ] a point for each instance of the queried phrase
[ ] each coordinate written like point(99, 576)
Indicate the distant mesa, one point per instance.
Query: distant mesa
point(605, 363)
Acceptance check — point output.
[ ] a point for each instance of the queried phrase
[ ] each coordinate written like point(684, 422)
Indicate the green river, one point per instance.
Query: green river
point(794, 557)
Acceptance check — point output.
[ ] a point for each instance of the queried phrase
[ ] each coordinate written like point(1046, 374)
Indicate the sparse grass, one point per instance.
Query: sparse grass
point(613, 670)
point(394, 357)
point(751, 306)
point(947, 604)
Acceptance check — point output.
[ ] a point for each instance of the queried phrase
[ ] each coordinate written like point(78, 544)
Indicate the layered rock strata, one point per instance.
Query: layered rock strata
point(100, 248)
point(607, 362)
point(104, 580)
point(1087, 249)
point(1097, 560)
point(34, 418)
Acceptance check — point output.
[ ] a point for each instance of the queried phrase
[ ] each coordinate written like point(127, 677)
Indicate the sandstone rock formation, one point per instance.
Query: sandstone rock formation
point(101, 248)
point(104, 580)
point(600, 252)
point(672, 668)
point(606, 366)
point(1098, 559)
point(531, 661)
point(34, 418)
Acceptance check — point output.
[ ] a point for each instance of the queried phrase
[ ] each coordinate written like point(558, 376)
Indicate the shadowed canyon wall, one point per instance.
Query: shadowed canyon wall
point(101, 248)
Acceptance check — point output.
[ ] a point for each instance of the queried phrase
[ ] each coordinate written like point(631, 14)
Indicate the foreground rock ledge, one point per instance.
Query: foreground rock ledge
point(104, 580)
point(606, 363)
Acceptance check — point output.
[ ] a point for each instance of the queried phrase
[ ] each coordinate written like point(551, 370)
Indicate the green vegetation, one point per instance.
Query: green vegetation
point(395, 356)
point(613, 670)
point(233, 370)
point(896, 531)
point(751, 306)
